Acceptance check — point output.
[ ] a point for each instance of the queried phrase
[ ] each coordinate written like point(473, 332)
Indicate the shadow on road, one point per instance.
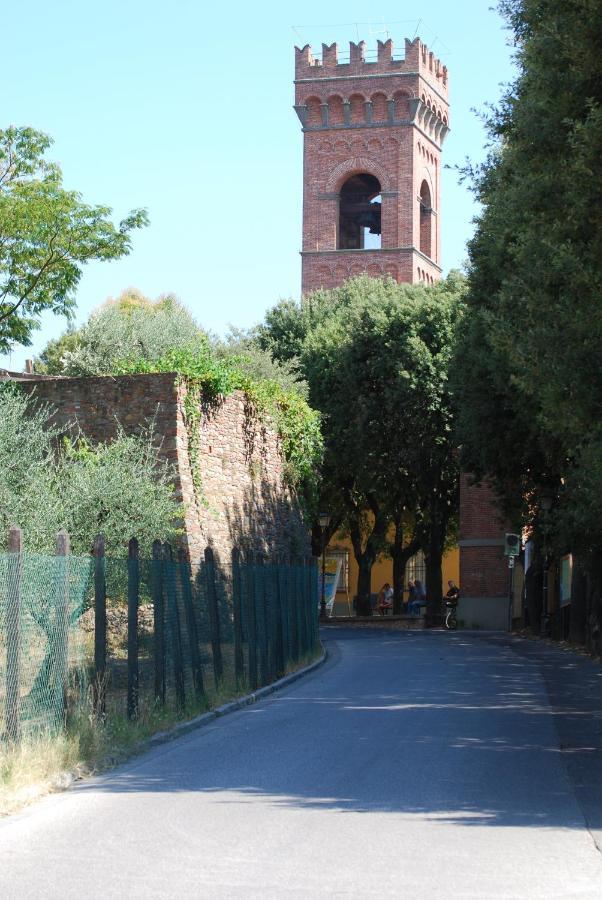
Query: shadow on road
point(456, 728)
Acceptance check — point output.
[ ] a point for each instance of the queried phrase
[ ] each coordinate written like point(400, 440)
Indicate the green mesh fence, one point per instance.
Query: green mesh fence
point(42, 647)
point(195, 633)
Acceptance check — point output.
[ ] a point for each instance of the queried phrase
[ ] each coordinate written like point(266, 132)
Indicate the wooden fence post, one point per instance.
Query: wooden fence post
point(250, 581)
point(239, 660)
point(278, 618)
point(133, 601)
point(100, 626)
point(300, 606)
point(262, 619)
point(216, 647)
point(13, 636)
point(63, 549)
point(193, 634)
point(158, 622)
point(169, 579)
point(285, 609)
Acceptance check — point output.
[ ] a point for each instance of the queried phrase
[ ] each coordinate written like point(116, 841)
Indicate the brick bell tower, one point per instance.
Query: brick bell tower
point(373, 130)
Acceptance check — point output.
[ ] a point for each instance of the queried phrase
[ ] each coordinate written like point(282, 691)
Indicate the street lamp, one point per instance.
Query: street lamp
point(324, 520)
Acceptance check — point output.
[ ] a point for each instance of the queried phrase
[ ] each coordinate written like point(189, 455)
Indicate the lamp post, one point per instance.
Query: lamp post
point(546, 499)
point(324, 520)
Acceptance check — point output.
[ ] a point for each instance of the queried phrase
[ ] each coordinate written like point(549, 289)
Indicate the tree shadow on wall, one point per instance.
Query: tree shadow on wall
point(267, 521)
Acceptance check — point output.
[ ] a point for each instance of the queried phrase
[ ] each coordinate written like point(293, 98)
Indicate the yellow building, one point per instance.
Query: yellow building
point(340, 548)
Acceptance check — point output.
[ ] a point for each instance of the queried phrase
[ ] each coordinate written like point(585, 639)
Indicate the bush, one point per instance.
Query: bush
point(122, 489)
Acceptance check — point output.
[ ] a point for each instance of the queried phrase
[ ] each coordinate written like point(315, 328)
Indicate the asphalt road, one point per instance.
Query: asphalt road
point(412, 765)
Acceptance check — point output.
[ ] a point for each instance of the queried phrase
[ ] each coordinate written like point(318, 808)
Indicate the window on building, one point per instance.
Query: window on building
point(360, 214)
point(343, 556)
point(415, 568)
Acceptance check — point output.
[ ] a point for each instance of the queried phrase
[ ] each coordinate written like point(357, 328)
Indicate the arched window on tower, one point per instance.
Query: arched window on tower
point(360, 213)
point(426, 220)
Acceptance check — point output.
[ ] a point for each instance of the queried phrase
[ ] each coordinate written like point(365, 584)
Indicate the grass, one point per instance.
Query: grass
point(47, 762)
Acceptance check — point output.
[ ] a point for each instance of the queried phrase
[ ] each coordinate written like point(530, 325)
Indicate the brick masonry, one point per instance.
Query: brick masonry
point(386, 118)
point(483, 567)
point(247, 501)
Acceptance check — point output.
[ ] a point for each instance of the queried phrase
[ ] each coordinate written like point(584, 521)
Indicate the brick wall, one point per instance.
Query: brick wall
point(483, 566)
point(246, 500)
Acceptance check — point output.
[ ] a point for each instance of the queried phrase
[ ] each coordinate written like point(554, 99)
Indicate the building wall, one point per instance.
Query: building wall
point(388, 118)
point(382, 571)
point(484, 576)
point(246, 502)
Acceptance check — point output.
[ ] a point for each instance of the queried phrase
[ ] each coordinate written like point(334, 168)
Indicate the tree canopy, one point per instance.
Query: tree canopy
point(376, 357)
point(530, 368)
point(47, 234)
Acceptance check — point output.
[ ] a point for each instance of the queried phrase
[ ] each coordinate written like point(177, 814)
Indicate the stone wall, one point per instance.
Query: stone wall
point(245, 501)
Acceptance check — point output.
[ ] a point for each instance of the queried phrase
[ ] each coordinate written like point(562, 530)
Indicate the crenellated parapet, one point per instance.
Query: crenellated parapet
point(418, 60)
point(372, 90)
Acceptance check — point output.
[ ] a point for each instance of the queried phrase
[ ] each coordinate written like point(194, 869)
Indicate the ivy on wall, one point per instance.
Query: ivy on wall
point(208, 380)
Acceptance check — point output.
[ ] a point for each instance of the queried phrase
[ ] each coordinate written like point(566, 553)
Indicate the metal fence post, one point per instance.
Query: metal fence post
point(193, 635)
point(262, 619)
point(158, 622)
point(133, 600)
point(216, 647)
point(13, 637)
point(63, 549)
point(278, 619)
point(294, 608)
point(100, 626)
point(285, 610)
point(239, 660)
point(169, 581)
point(250, 580)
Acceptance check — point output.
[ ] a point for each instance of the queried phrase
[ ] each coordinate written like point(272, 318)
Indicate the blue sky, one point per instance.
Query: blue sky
point(186, 109)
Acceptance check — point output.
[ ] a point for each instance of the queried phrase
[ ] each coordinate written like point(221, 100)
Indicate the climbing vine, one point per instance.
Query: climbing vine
point(208, 380)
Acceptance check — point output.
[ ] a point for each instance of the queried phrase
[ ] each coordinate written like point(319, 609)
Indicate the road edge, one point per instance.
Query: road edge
point(163, 737)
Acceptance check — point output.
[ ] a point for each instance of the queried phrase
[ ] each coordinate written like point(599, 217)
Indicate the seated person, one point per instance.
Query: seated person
point(385, 598)
point(418, 600)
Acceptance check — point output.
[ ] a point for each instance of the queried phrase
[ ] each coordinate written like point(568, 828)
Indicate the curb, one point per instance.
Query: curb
point(163, 737)
point(66, 780)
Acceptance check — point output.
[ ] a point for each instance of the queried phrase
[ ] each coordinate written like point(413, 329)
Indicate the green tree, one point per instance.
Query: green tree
point(128, 328)
point(122, 488)
point(531, 371)
point(376, 356)
point(46, 235)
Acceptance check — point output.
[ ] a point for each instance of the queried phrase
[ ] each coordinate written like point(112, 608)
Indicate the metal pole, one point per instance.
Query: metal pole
point(544, 596)
point(510, 592)
point(323, 600)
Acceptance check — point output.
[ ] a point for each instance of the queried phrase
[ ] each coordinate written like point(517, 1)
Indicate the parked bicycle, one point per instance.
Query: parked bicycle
point(451, 617)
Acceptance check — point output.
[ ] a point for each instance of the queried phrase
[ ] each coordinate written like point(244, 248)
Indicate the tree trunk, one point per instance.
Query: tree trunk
point(433, 558)
point(366, 557)
point(594, 607)
point(534, 592)
point(364, 584)
point(400, 556)
point(578, 625)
